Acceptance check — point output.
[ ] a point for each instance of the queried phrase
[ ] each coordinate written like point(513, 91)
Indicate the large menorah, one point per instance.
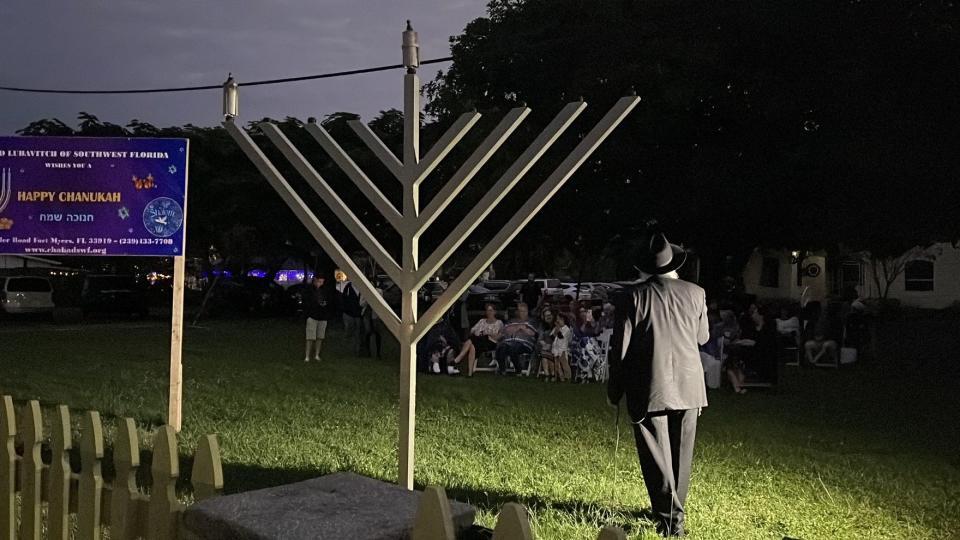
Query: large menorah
point(410, 274)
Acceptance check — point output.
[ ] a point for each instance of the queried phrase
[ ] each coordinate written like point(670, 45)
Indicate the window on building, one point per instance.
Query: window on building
point(851, 273)
point(918, 275)
point(770, 272)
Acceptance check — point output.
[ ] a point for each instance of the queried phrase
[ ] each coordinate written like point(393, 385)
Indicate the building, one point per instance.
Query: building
point(930, 278)
point(15, 262)
point(784, 274)
point(922, 277)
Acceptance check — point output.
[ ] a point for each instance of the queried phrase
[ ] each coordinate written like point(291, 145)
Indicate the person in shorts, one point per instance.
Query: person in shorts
point(317, 307)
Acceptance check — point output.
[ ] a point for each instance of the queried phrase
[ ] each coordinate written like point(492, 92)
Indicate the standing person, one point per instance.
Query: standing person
point(317, 307)
point(655, 362)
point(349, 302)
point(371, 324)
point(531, 294)
point(561, 348)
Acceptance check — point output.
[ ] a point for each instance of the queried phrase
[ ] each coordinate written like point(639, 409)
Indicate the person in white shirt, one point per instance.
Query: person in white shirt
point(561, 347)
point(484, 337)
point(788, 328)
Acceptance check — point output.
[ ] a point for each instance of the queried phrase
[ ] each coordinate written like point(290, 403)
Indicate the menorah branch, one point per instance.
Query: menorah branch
point(469, 169)
point(362, 181)
point(527, 212)
point(313, 225)
point(500, 189)
point(444, 145)
point(336, 204)
point(379, 149)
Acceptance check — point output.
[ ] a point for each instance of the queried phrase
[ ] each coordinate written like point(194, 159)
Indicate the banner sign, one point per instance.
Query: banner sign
point(92, 196)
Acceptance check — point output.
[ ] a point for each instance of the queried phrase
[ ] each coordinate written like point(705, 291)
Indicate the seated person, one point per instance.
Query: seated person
point(518, 338)
point(584, 350)
point(607, 317)
point(823, 340)
point(757, 346)
point(727, 332)
point(788, 328)
point(484, 337)
point(546, 343)
point(728, 327)
point(438, 349)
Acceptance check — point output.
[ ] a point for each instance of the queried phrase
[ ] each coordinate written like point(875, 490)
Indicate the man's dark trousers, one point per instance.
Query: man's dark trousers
point(512, 351)
point(665, 446)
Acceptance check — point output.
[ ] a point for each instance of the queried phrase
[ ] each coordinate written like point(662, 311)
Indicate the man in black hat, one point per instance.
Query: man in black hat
point(655, 362)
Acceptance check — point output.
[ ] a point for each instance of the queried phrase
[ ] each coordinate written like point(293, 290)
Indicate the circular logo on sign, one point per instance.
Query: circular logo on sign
point(813, 270)
point(163, 217)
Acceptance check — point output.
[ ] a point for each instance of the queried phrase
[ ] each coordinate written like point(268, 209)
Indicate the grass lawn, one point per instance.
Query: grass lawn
point(862, 453)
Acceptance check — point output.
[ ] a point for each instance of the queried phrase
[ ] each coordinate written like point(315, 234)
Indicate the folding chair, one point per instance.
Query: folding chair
point(604, 368)
point(486, 362)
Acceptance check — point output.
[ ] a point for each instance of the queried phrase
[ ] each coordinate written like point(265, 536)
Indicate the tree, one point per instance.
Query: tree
point(885, 268)
point(762, 123)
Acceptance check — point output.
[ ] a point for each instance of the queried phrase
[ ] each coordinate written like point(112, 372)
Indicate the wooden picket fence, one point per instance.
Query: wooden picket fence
point(128, 512)
point(434, 521)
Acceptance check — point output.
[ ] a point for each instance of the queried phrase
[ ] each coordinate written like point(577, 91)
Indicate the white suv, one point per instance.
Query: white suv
point(25, 294)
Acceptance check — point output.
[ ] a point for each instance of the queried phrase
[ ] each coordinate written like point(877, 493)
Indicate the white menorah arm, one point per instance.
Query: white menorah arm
point(336, 204)
point(500, 189)
point(375, 144)
point(313, 225)
point(5, 190)
point(526, 213)
point(357, 176)
point(469, 169)
point(444, 144)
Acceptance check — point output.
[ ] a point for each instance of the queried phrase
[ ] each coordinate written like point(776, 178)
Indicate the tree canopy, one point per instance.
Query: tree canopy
point(762, 123)
point(777, 123)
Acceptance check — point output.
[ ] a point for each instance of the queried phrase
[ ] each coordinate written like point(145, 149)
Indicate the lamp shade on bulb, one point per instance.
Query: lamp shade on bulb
point(231, 98)
point(411, 48)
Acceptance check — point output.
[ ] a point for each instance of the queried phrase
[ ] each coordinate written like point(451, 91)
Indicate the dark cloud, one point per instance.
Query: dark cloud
point(138, 43)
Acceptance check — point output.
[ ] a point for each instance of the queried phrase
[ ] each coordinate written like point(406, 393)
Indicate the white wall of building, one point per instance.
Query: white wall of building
point(25, 261)
point(946, 281)
point(787, 287)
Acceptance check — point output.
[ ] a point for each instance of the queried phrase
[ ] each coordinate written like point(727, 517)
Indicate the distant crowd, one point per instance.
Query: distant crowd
point(566, 340)
point(559, 342)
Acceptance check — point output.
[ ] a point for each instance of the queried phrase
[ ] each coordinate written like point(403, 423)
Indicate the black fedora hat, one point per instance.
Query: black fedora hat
point(659, 256)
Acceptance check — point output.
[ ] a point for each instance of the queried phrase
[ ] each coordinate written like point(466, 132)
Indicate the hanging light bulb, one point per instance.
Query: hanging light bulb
point(231, 98)
point(411, 49)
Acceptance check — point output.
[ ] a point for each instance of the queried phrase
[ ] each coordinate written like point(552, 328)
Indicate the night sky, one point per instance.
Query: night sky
point(145, 44)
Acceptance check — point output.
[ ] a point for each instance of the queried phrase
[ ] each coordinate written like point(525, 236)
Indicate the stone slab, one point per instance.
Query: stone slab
point(334, 507)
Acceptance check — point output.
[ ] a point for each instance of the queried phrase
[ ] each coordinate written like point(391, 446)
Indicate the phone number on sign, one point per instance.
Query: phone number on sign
point(127, 241)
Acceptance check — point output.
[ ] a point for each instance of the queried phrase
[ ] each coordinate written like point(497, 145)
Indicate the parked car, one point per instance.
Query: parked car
point(478, 296)
point(109, 293)
point(431, 291)
point(496, 285)
point(391, 292)
point(583, 292)
point(25, 294)
point(550, 287)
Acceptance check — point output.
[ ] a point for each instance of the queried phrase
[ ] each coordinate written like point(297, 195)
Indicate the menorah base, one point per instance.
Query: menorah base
point(334, 507)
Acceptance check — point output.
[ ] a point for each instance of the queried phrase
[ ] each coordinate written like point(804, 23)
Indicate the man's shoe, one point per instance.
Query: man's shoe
point(665, 530)
point(452, 370)
point(435, 368)
point(307, 359)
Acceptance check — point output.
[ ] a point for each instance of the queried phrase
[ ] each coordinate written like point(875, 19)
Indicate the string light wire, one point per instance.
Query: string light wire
point(220, 86)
